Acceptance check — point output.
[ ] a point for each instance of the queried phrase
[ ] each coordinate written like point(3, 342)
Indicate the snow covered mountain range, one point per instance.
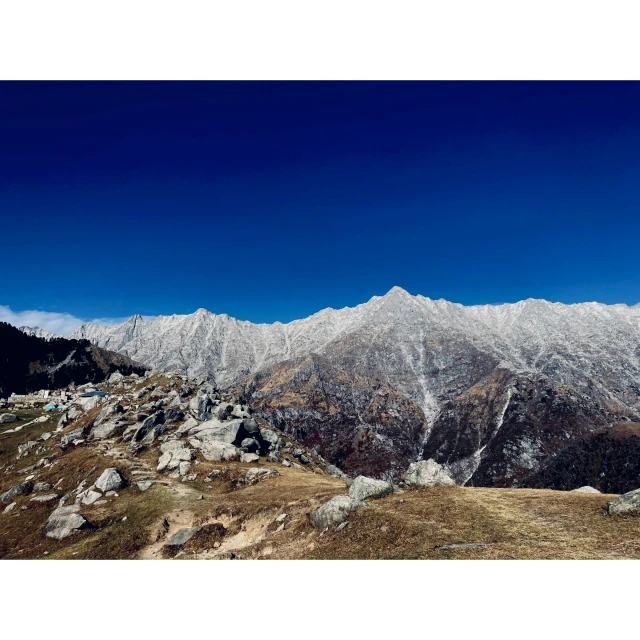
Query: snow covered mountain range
point(38, 332)
point(492, 391)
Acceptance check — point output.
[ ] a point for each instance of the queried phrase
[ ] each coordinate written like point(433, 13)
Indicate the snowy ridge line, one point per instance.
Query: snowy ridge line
point(574, 342)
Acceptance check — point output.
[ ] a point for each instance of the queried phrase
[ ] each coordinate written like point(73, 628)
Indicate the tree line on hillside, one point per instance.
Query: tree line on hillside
point(29, 363)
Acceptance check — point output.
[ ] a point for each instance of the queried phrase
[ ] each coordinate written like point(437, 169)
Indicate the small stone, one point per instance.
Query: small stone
point(89, 496)
point(109, 479)
point(164, 461)
point(257, 474)
point(468, 545)
point(47, 497)
point(10, 507)
point(19, 489)
point(182, 536)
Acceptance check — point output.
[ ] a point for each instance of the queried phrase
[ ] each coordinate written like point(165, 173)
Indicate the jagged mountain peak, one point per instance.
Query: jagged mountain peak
point(397, 292)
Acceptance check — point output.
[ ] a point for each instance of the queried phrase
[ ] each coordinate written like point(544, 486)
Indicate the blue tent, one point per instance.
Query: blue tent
point(52, 406)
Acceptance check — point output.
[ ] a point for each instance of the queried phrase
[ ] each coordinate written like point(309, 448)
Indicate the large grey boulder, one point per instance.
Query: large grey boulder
point(163, 462)
point(249, 445)
point(109, 480)
point(107, 429)
point(173, 414)
point(172, 445)
point(71, 437)
point(63, 522)
point(251, 427)
point(428, 473)
point(107, 413)
point(115, 377)
point(148, 431)
point(171, 458)
point(74, 412)
point(363, 488)
point(186, 426)
point(22, 489)
point(269, 436)
point(6, 418)
point(627, 504)
point(229, 431)
point(201, 406)
point(89, 403)
point(585, 489)
point(41, 486)
point(333, 512)
point(217, 451)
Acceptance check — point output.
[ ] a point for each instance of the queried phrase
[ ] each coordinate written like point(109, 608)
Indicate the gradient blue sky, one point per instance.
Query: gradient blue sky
point(270, 201)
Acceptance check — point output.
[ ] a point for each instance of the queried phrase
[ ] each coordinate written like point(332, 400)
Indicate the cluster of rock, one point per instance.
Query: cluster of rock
point(187, 421)
point(334, 512)
point(66, 519)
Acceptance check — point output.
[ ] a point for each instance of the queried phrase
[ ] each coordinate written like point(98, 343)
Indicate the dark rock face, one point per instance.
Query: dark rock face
point(358, 423)
point(507, 426)
point(608, 461)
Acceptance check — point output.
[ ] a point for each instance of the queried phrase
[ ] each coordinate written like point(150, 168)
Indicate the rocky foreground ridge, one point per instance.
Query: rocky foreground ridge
point(493, 392)
point(167, 466)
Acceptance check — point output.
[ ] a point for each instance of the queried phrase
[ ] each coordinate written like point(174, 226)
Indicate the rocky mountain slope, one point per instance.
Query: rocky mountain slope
point(494, 392)
point(167, 467)
point(29, 362)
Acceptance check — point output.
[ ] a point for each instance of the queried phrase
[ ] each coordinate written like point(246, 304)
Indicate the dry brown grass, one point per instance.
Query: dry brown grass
point(513, 523)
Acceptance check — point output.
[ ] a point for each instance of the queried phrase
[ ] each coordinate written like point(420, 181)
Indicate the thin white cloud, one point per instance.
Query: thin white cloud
point(61, 324)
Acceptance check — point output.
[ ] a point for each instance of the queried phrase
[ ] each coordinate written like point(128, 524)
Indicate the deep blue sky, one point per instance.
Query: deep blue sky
point(270, 201)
